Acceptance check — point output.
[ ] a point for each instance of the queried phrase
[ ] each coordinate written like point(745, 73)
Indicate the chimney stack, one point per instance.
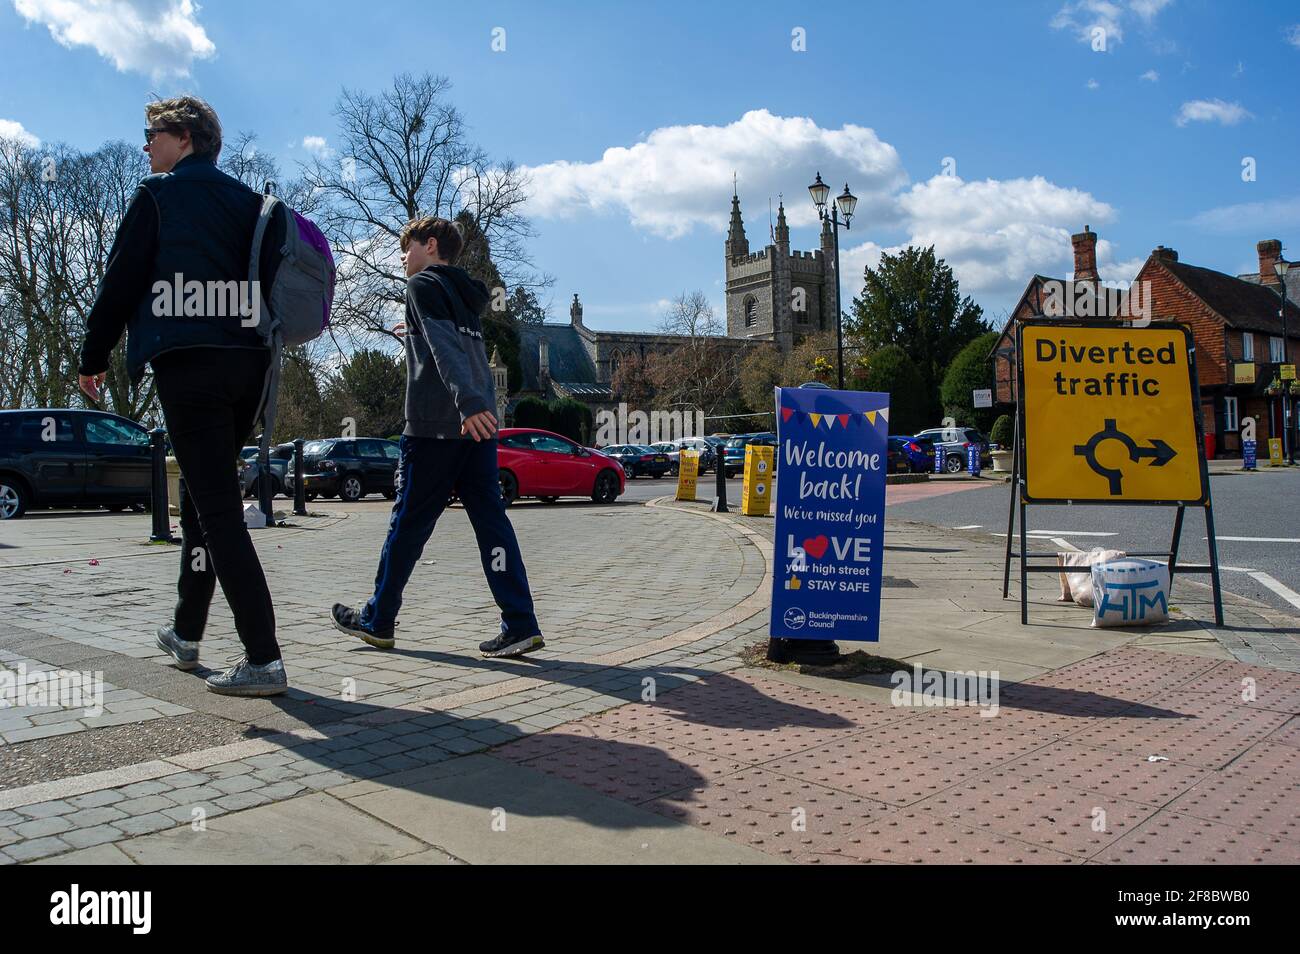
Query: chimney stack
point(1270, 250)
point(1162, 254)
point(1085, 255)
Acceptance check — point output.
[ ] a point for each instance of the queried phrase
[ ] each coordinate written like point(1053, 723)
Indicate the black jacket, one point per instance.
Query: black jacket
point(447, 373)
point(194, 222)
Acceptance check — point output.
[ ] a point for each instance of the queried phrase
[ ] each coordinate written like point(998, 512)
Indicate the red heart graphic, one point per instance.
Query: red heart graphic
point(816, 547)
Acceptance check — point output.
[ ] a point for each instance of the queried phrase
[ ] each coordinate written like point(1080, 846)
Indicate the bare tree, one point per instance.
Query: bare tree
point(403, 153)
point(703, 370)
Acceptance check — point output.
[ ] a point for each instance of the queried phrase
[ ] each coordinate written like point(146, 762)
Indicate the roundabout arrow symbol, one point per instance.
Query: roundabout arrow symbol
point(1159, 453)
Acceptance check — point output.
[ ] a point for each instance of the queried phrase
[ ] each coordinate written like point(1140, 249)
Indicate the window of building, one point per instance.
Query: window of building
point(1275, 352)
point(751, 312)
point(1247, 346)
point(1229, 413)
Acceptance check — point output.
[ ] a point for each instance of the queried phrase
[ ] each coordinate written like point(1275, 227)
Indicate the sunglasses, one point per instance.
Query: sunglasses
point(150, 132)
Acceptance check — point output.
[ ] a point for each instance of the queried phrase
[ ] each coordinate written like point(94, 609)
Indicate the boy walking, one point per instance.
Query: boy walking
point(449, 445)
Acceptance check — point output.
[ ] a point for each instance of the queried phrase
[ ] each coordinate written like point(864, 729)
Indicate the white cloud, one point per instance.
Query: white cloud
point(1293, 35)
point(1084, 18)
point(1093, 84)
point(1251, 218)
point(1211, 111)
point(159, 37)
point(670, 182)
point(12, 130)
point(316, 146)
point(1151, 76)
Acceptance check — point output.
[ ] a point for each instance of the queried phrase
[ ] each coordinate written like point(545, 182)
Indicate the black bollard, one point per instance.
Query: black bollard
point(720, 481)
point(299, 491)
point(162, 524)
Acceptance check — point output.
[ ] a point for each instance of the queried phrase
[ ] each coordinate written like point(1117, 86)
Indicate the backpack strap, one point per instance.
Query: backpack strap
point(264, 217)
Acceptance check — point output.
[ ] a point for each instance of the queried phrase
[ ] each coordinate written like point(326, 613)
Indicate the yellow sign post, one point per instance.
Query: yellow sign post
point(756, 486)
point(688, 469)
point(1275, 452)
point(1108, 415)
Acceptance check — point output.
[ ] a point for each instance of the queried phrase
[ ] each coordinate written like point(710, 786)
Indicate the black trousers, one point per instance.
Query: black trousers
point(210, 398)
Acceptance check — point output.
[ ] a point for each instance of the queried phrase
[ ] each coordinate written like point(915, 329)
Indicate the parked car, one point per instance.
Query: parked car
point(348, 468)
point(734, 450)
point(670, 450)
point(916, 452)
point(281, 464)
point(537, 463)
point(61, 457)
point(702, 446)
point(953, 443)
point(638, 459)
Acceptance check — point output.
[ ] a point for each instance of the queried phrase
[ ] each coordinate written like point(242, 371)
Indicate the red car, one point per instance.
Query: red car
point(536, 463)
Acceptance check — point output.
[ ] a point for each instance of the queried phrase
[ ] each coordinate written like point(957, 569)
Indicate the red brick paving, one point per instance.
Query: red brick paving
point(1060, 775)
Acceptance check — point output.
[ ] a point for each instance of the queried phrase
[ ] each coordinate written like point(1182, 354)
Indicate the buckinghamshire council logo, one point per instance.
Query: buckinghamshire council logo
point(795, 618)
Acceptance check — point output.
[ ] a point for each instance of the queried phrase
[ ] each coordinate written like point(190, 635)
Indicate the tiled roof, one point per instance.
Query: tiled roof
point(1242, 304)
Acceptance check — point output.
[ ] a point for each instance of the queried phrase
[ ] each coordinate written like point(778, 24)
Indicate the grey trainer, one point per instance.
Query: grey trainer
point(245, 679)
point(185, 652)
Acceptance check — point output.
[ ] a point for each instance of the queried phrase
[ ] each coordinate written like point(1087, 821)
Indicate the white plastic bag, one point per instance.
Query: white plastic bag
point(254, 519)
point(1130, 592)
point(1077, 587)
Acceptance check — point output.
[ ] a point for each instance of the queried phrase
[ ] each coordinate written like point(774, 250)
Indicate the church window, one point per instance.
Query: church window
point(751, 312)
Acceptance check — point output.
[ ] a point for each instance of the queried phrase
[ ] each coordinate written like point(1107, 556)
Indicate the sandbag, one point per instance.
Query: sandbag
point(1077, 587)
point(1130, 592)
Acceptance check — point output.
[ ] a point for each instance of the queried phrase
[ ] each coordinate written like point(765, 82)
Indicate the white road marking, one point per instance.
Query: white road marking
point(1260, 539)
point(1075, 533)
point(1065, 544)
point(1288, 594)
point(972, 526)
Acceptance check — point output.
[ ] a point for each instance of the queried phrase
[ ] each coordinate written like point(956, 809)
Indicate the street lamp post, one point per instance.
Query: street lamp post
point(844, 203)
point(1288, 446)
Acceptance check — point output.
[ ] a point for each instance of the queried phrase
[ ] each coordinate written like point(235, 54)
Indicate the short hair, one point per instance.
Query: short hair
point(192, 114)
point(446, 233)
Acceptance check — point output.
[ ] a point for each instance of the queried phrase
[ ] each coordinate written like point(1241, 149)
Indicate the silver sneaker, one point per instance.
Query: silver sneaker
point(185, 652)
point(245, 679)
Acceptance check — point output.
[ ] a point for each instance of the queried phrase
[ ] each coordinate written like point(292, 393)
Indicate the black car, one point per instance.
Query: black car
point(347, 467)
point(638, 459)
point(280, 461)
point(63, 457)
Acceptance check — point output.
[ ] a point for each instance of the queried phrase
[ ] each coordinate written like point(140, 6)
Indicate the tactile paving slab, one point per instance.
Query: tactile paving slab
point(770, 812)
point(1114, 774)
point(1171, 838)
point(910, 837)
point(1207, 732)
point(1034, 810)
point(1259, 792)
point(1255, 686)
point(863, 767)
point(1288, 734)
point(1128, 674)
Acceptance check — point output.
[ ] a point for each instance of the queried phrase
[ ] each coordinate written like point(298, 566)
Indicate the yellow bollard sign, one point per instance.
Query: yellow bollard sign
point(756, 487)
point(688, 469)
point(1275, 452)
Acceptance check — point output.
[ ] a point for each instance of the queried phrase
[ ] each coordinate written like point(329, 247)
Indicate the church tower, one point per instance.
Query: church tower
point(782, 313)
point(737, 244)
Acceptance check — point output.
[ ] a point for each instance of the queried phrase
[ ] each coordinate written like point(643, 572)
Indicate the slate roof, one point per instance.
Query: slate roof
point(1246, 305)
point(568, 357)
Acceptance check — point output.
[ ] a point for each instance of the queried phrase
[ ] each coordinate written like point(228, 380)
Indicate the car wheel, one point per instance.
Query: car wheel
point(277, 487)
point(952, 464)
point(630, 473)
point(13, 499)
point(351, 489)
point(509, 488)
point(606, 488)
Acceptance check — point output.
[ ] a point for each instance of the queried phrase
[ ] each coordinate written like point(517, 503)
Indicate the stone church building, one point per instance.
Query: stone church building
point(774, 298)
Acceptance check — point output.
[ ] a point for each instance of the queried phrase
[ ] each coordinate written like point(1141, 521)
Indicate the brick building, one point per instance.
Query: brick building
point(1235, 322)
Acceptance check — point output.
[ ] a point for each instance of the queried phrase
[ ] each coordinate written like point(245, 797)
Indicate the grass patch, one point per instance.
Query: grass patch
point(849, 666)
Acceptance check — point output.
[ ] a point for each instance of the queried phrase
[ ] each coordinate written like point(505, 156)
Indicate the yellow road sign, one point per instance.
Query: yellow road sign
point(688, 469)
point(756, 487)
point(1275, 451)
point(1108, 414)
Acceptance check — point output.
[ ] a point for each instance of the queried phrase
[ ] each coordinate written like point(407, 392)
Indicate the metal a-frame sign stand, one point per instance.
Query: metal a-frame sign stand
point(1019, 492)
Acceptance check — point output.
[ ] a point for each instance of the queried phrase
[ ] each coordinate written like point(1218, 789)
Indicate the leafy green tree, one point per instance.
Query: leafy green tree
point(372, 388)
point(912, 300)
point(889, 369)
point(969, 371)
point(533, 412)
point(300, 410)
point(571, 418)
point(1003, 432)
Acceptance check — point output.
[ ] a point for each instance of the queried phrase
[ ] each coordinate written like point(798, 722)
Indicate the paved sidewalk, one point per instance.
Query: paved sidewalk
point(638, 735)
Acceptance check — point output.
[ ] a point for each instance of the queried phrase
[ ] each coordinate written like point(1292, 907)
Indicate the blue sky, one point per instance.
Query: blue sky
point(632, 117)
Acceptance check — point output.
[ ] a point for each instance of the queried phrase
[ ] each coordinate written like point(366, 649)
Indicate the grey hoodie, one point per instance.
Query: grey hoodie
point(447, 374)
